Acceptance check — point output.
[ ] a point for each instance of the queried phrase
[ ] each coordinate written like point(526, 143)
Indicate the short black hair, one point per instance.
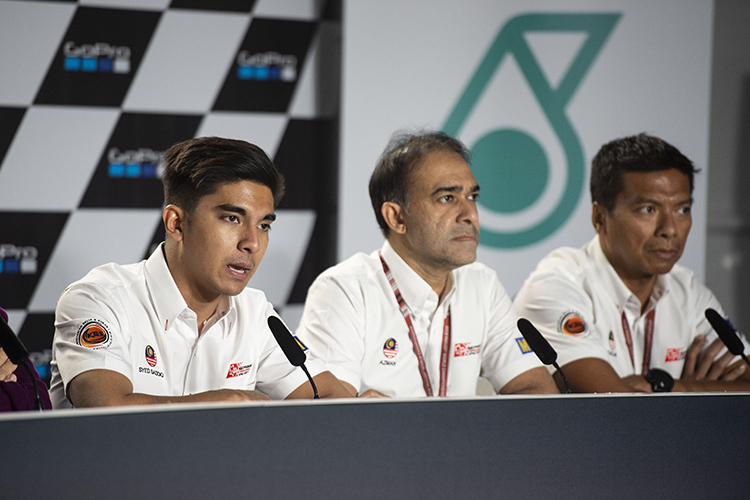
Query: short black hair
point(197, 167)
point(391, 179)
point(636, 153)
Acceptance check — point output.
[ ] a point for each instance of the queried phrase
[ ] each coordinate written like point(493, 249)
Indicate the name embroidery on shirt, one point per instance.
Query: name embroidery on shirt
point(150, 371)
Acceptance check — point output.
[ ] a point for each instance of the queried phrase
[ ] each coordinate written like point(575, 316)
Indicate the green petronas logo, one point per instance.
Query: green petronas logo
point(510, 164)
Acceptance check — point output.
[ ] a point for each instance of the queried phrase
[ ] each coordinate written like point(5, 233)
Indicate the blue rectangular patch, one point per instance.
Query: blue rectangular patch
point(523, 345)
point(303, 346)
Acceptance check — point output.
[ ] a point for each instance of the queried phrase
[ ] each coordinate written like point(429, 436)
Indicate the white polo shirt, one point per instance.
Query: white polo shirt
point(352, 322)
point(133, 320)
point(576, 300)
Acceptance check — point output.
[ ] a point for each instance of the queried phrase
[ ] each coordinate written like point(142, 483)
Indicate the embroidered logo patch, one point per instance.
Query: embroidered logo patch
point(299, 342)
point(94, 334)
point(150, 356)
point(674, 354)
point(464, 349)
point(572, 324)
point(238, 369)
point(390, 348)
point(523, 345)
point(611, 341)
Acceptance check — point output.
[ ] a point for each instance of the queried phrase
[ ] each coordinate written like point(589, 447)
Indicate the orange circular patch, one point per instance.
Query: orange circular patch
point(93, 334)
point(572, 324)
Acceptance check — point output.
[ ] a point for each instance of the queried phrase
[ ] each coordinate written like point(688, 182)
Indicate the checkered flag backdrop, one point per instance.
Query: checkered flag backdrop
point(93, 92)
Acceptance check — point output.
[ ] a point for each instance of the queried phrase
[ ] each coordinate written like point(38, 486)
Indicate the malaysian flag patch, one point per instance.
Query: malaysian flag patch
point(150, 356)
point(390, 348)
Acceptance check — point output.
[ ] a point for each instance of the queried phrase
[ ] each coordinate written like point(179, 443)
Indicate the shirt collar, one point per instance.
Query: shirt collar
point(225, 309)
point(417, 293)
point(614, 285)
point(167, 299)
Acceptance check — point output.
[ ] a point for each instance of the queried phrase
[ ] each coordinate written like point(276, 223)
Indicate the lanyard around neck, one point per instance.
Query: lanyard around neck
point(445, 349)
point(647, 343)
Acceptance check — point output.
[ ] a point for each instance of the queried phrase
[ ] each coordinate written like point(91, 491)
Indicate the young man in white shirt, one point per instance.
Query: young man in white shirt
point(622, 315)
point(181, 326)
point(419, 317)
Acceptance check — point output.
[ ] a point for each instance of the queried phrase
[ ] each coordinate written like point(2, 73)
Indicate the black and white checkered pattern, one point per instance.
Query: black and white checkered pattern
point(92, 93)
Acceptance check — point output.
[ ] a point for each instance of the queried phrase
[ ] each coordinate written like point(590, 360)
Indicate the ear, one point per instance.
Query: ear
point(393, 214)
point(599, 218)
point(174, 219)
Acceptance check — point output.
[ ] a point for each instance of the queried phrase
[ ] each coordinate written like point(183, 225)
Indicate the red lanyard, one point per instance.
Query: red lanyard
point(415, 341)
point(648, 340)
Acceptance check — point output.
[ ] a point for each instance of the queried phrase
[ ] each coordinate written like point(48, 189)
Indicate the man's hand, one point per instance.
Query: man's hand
point(7, 368)
point(109, 388)
point(369, 393)
point(637, 383)
point(235, 395)
point(329, 387)
point(372, 393)
point(704, 365)
point(534, 381)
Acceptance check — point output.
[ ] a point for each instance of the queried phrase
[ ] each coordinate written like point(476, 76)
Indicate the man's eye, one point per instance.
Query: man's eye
point(231, 218)
point(265, 226)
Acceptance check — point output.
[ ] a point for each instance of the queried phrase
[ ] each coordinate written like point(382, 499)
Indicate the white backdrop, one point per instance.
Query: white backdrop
point(641, 66)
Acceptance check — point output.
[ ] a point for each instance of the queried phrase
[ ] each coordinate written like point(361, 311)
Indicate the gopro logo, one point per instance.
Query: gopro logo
point(18, 260)
point(98, 57)
point(269, 66)
point(143, 163)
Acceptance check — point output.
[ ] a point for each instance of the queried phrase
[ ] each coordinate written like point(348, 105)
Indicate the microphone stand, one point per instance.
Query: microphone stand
point(315, 389)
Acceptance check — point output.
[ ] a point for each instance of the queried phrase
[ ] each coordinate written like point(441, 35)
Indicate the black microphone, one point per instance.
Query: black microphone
point(541, 347)
point(11, 344)
point(17, 354)
point(291, 348)
point(726, 334)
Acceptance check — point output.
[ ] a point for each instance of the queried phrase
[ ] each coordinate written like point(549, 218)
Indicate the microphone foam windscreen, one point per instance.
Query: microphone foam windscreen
point(291, 348)
point(11, 344)
point(726, 333)
point(537, 342)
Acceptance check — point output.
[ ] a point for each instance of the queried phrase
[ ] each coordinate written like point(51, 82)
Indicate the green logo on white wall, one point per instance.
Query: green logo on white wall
point(511, 165)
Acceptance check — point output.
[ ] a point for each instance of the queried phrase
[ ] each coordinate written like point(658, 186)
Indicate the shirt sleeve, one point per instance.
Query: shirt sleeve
point(556, 301)
point(333, 329)
point(503, 358)
point(90, 334)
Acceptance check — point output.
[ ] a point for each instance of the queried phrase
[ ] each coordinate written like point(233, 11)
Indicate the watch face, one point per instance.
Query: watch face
point(660, 380)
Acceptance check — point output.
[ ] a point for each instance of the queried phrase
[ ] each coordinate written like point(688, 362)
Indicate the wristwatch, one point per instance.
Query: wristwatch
point(660, 380)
